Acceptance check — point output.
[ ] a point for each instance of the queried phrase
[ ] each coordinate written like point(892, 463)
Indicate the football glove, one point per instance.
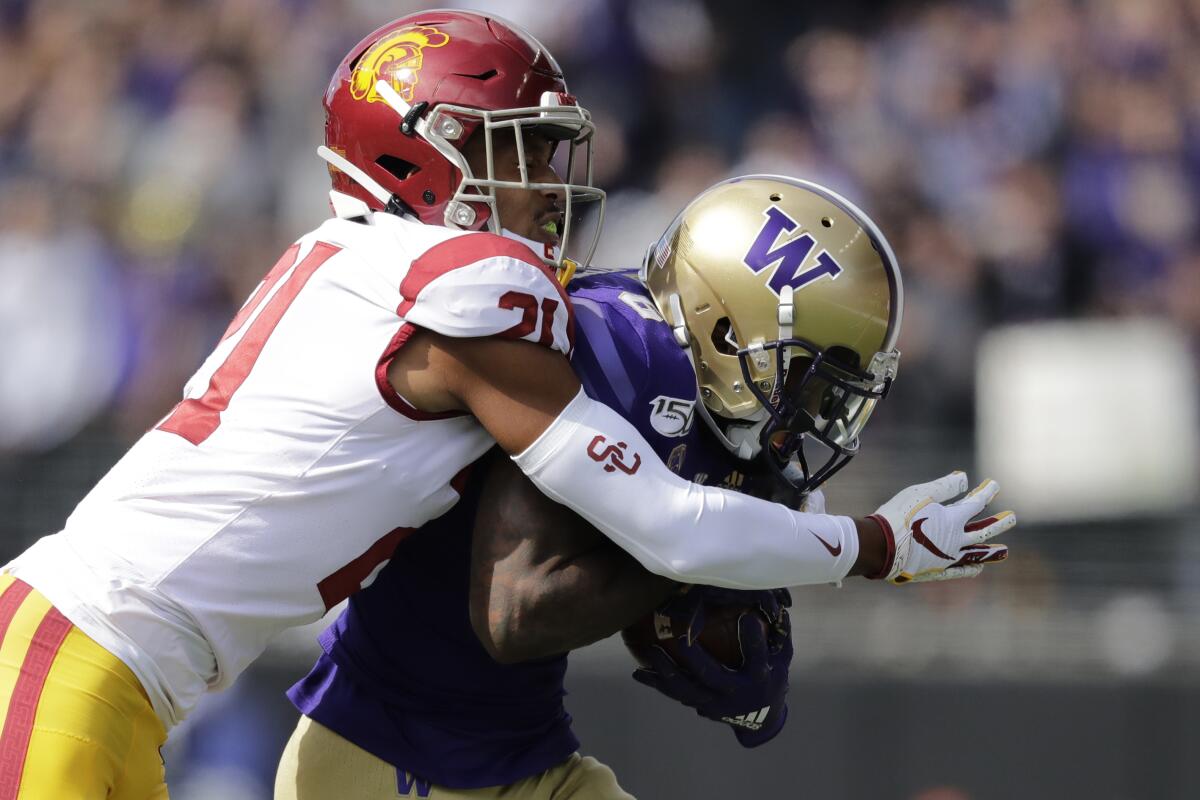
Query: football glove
point(752, 699)
point(930, 539)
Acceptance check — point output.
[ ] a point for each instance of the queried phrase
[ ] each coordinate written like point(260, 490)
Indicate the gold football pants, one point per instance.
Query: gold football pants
point(317, 764)
point(77, 723)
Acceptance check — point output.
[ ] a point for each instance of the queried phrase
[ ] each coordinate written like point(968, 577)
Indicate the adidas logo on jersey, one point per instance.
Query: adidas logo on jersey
point(752, 720)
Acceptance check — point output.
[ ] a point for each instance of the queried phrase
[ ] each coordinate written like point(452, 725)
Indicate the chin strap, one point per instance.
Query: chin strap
point(347, 207)
point(340, 162)
point(747, 438)
point(740, 438)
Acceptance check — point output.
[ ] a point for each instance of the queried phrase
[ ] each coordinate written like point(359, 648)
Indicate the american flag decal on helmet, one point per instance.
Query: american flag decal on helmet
point(661, 254)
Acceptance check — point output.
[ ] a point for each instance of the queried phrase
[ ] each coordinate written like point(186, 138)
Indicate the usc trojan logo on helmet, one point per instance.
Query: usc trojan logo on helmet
point(397, 60)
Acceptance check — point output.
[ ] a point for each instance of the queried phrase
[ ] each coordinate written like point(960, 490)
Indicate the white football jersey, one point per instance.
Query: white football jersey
point(286, 477)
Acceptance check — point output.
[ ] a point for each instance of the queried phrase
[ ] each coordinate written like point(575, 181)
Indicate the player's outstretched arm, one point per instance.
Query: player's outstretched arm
point(582, 454)
point(544, 581)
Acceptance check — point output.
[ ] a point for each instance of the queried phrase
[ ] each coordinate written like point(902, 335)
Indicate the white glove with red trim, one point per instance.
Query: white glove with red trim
point(929, 540)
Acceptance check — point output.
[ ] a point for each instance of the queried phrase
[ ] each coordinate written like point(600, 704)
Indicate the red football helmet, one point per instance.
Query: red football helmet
point(406, 98)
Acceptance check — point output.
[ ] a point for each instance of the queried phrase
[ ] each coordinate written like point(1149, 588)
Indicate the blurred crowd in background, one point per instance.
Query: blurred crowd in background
point(1028, 160)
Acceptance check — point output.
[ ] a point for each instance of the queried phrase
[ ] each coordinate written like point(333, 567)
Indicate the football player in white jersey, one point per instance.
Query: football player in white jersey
point(383, 354)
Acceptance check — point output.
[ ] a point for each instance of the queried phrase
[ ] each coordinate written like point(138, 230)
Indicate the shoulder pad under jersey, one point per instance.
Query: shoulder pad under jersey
point(627, 358)
point(480, 284)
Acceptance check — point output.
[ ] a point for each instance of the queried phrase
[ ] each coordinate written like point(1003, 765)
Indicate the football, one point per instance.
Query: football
point(719, 638)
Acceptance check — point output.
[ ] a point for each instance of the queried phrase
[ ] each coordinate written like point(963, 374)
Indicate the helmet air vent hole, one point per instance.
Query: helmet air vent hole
point(826, 222)
point(721, 335)
point(354, 61)
point(483, 76)
point(397, 166)
point(775, 198)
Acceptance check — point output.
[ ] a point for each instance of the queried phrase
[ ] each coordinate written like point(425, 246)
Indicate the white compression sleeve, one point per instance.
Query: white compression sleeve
point(594, 461)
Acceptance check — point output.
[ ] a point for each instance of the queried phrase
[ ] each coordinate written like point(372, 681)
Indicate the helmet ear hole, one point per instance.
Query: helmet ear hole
point(721, 334)
point(842, 357)
point(398, 167)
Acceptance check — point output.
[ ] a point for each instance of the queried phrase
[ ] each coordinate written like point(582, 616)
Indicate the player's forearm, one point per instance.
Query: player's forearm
point(685, 532)
point(544, 581)
point(598, 595)
point(570, 604)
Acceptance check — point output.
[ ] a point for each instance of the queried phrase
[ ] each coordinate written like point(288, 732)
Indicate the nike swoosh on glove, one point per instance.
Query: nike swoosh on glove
point(930, 539)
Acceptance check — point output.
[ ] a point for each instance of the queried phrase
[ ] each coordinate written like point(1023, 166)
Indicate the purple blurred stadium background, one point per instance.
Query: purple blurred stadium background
point(1035, 164)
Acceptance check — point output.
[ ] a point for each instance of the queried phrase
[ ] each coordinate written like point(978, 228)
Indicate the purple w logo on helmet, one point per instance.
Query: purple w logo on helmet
point(790, 255)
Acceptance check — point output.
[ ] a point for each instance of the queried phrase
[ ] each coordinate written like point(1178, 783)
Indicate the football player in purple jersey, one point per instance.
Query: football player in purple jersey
point(444, 678)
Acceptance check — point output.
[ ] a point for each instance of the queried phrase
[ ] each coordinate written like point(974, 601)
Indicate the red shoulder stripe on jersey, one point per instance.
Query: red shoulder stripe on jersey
point(462, 251)
point(23, 703)
point(389, 393)
point(195, 419)
point(281, 267)
point(459, 482)
point(349, 579)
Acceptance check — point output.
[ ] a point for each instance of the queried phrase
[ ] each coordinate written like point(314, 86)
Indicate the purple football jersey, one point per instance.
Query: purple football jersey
point(403, 675)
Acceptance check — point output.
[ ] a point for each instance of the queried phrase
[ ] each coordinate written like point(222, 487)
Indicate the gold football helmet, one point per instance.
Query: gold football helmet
point(788, 300)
